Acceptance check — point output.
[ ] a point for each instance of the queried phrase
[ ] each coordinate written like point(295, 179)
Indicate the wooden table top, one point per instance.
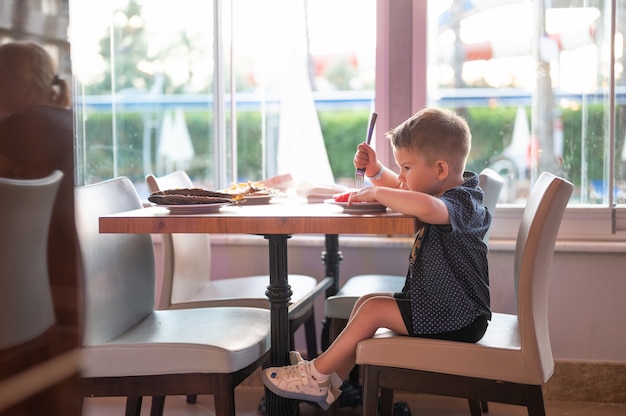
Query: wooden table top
point(285, 217)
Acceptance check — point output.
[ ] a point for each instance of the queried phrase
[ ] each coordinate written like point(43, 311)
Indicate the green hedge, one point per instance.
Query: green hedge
point(342, 130)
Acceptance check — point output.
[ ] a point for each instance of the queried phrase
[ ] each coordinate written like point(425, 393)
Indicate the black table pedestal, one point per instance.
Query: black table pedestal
point(279, 294)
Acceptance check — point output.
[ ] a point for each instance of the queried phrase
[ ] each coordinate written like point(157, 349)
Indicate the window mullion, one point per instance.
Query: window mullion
point(219, 112)
point(612, 116)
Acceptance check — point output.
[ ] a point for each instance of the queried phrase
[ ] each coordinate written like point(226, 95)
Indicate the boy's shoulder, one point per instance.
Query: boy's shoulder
point(468, 190)
point(470, 178)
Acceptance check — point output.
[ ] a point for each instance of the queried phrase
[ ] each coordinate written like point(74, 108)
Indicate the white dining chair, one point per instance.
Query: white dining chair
point(36, 372)
point(131, 349)
point(512, 362)
point(187, 279)
point(339, 306)
point(26, 307)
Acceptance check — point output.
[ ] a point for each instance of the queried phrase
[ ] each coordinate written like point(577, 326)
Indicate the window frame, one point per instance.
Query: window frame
point(401, 89)
point(402, 36)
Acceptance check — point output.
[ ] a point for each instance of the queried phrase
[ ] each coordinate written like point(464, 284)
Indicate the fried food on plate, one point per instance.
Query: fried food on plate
point(189, 196)
point(249, 189)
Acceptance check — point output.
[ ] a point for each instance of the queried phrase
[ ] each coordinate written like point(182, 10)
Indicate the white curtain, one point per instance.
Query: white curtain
point(175, 150)
point(301, 150)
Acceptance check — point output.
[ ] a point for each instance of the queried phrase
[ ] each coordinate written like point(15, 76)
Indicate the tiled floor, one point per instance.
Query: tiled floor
point(421, 405)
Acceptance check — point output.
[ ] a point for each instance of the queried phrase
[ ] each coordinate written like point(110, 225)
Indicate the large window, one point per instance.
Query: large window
point(228, 90)
point(535, 80)
point(234, 90)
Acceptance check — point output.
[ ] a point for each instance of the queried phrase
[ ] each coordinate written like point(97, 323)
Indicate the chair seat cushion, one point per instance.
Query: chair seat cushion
point(496, 356)
point(212, 340)
point(245, 291)
point(340, 305)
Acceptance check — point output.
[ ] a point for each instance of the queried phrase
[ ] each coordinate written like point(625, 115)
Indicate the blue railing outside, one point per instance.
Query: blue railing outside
point(334, 100)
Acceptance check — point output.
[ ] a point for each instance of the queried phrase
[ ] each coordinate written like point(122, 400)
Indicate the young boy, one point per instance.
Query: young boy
point(446, 293)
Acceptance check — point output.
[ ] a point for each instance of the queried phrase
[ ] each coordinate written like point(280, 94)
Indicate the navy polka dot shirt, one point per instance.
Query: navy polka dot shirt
point(448, 277)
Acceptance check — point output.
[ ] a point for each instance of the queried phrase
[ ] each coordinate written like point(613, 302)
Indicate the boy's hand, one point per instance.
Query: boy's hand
point(365, 157)
point(362, 195)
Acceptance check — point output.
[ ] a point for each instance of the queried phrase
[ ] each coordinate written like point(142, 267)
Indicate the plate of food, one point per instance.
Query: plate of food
point(192, 200)
point(358, 207)
point(251, 193)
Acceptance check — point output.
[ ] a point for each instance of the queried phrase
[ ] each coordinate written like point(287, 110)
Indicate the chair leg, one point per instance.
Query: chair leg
point(310, 335)
point(485, 406)
point(336, 325)
point(224, 396)
point(333, 410)
point(158, 404)
point(191, 399)
point(386, 402)
point(535, 404)
point(370, 391)
point(475, 407)
point(308, 321)
point(133, 405)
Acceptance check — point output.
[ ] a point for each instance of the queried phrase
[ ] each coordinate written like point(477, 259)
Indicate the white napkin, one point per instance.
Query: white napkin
point(315, 193)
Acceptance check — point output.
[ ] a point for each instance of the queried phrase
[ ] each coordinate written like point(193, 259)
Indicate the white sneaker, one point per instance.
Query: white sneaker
point(295, 357)
point(334, 386)
point(294, 382)
point(333, 394)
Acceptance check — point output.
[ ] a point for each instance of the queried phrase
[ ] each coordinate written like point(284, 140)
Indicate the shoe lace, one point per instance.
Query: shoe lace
point(298, 371)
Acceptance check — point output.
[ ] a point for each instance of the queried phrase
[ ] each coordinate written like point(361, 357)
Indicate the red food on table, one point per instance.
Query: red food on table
point(342, 197)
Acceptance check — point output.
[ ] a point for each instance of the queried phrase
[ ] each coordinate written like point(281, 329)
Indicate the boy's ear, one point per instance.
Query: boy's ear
point(443, 170)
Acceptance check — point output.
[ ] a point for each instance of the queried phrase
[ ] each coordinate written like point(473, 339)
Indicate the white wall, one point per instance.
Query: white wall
point(587, 307)
point(587, 292)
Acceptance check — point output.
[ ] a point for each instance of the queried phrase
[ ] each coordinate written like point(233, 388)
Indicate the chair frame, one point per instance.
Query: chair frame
point(220, 385)
point(534, 253)
point(301, 313)
point(35, 369)
point(217, 382)
point(28, 262)
point(478, 391)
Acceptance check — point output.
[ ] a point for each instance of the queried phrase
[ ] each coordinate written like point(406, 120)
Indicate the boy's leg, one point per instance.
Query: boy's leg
point(310, 380)
point(353, 374)
point(363, 298)
point(369, 314)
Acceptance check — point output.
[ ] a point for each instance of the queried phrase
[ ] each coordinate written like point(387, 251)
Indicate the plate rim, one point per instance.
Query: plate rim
point(258, 199)
point(259, 196)
point(358, 206)
point(215, 206)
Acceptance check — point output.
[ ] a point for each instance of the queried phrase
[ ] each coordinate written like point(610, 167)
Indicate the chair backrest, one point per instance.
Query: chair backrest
point(491, 184)
point(534, 251)
point(26, 308)
point(186, 257)
point(119, 270)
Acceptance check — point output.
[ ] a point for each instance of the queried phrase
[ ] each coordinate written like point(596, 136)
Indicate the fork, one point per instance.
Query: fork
point(359, 175)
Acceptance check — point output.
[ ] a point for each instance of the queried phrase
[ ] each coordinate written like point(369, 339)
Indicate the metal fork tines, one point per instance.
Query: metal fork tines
point(359, 175)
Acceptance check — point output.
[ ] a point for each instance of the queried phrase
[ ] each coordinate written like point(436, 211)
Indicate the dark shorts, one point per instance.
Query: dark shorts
point(471, 333)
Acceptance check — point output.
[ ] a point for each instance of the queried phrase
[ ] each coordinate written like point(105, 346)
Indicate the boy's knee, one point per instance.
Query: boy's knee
point(373, 302)
point(364, 299)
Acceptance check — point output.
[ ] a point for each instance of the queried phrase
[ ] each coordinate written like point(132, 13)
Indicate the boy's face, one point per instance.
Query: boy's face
point(415, 173)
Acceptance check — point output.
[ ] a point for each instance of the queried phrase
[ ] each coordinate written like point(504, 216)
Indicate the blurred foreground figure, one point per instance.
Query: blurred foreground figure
point(37, 137)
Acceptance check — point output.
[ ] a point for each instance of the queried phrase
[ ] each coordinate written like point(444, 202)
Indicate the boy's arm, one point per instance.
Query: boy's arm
point(427, 208)
point(365, 157)
point(382, 176)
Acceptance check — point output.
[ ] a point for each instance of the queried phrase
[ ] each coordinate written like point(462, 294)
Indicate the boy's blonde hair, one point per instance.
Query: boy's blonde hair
point(436, 134)
point(28, 76)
